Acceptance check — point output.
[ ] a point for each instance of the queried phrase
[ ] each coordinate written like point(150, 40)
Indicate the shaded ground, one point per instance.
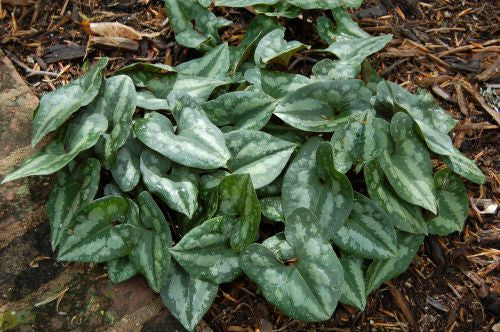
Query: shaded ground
point(450, 47)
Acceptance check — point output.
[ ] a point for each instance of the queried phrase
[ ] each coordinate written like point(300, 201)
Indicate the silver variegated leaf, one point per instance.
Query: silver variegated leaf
point(240, 110)
point(237, 198)
point(281, 9)
point(177, 186)
point(125, 170)
point(353, 289)
point(151, 256)
point(214, 64)
point(433, 122)
point(380, 271)
point(198, 143)
point(313, 278)
point(93, 237)
point(325, 29)
point(453, 204)
point(346, 26)
point(280, 247)
point(57, 106)
point(69, 193)
point(259, 154)
point(187, 298)
point(409, 168)
point(273, 48)
point(328, 69)
point(356, 141)
point(312, 182)
point(464, 166)
point(208, 202)
point(117, 101)
point(272, 208)
point(148, 101)
point(205, 252)
point(142, 73)
point(405, 216)
point(279, 84)
point(359, 48)
point(120, 269)
point(368, 232)
point(322, 106)
point(85, 131)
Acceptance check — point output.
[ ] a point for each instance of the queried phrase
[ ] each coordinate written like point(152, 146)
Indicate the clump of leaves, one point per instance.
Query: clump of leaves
point(171, 172)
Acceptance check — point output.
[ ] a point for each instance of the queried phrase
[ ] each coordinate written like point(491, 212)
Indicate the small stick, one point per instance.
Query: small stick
point(30, 71)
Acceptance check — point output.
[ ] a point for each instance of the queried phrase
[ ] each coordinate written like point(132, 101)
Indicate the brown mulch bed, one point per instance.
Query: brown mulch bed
point(450, 47)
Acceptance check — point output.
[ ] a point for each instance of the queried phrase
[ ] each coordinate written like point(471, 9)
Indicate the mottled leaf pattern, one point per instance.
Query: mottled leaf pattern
point(465, 167)
point(359, 48)
point(313, 280)
point(93, 237)
point(279, 84)
point(321, 107)
point(258, 154)
point(214, 64)
point(274, 48)
point(405, 216)
point(409, 168)
point(353, 289)
point(176, 186)
point(187, 298)
point(125, 170)
point(312, 182)
point(453, 204)
point(198, 143)
point(272, 208)
point(368, 232)
point(205, 251)
point(121, 269)
point(57, 106)
point(69, 193)
point(237, 198)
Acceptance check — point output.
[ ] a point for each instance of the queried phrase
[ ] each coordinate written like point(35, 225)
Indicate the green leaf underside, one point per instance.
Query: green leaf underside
point(321, 107)
point(312, 282)
point(93, 238)
point(57, 106)
point(312, 182)
point(353, 289)
point(409, 168)
point(238, 198)
point(368, 232)
point(86, 131)
point(453, 204)
point(405, 216)
point(187, 298)
point(380, 271)
point(151, 256)
point(205, 251)
point(198, 143)
point(70, 192)
point(177, 186)
point(258, 154)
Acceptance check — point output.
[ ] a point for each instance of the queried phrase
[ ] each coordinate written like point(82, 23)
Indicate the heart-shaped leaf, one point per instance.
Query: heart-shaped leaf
point(187, 298)
point(237, 198)
point(142, 73)
point(126, 171)
point(214, 64)
point(85, 131)
point(70, 192)
point(409, 168)
point(380, 271)
point(328, 69)
point(151, 255)
point(314, 274)
point(353, 289)
point(121, 269)
point(312, 182)
point(93, 237)
point(274, 48)
point(453, 204)
point(359, 48)
point(279, 84)
point(346, 26)
point(198, 143)
point(428, 118)
point(148, 101)
point(205, 251)
point(57, 106)
point(176, 186)
point(117, 101)
point(465, 167)
point(356, 141)
point(272, 208)
point(258, 154)
point(368, 232)
point(322, 106)
point(405, 216)
point(240, 110)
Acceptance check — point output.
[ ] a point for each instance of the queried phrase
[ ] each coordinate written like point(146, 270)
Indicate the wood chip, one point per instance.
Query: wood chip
point(402, 303)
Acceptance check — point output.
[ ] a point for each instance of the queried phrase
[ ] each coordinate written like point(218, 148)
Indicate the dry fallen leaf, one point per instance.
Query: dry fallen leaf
point(113, 29)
